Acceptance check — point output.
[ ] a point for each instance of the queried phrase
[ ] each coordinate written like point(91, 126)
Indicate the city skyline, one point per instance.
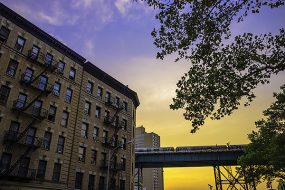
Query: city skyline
point(115, 36)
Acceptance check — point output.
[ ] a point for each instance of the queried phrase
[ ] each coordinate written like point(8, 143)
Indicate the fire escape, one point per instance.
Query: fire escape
point(113, 142)
point(31, 110)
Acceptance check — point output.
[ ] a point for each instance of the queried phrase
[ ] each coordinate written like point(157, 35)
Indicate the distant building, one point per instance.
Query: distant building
point(152, 177)
point(60, 116)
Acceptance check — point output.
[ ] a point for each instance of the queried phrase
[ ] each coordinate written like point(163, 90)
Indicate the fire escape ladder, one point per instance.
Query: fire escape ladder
point(23, 133)
point(14, 165)
point(38, 76)
point(33, 101)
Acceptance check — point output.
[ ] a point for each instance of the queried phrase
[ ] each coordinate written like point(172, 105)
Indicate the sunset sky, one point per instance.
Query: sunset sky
point(115, 36)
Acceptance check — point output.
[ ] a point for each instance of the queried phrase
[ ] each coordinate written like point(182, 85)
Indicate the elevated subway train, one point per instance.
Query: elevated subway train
point(193, 149)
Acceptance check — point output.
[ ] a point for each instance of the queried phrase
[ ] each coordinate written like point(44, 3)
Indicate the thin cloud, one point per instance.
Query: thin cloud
point(123, 6)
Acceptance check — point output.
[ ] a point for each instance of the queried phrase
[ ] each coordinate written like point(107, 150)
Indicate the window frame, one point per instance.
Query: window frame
point(12, 68)
point(4, 95)
point(20, 47)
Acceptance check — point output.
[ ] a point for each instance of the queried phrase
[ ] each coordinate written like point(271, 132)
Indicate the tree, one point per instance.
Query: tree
point(264, 157)
point(224, 68)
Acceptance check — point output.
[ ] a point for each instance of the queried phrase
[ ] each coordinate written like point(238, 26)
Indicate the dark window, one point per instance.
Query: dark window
point(34, 53)
point(4, 34)
point(13, 130)
point(87, 108)
point(60, 144)
point(93, 156)
point(95, 133)
point(30, 138)
point(84, 130)
point(102, 182)
point(98, 112)
point(78, 180)
point(125, 106)
point(23, 167)
point(12, 68)
point(5, 161)
point(125, 124)
point(72, 73)
point(100, 92)
point(28, 75)
point(105, 136)
point(56, 172)
point(64, 119)
point(91, 182)
point(4, 94)
point(124, 141)
point(122, 184)
point(48, 59)
point(47, 140)
point(89, 87)
point(56, 88)
point(68, 95)
point(123, 162)
point(60, 66)
point(81, 153)
point(108, 97)
point(52, 113)
point(19, 46)
point(116, 121)
point(42, 82)
point(37, 107)
point(41, 169)
point(21, 101)
point(117, 101)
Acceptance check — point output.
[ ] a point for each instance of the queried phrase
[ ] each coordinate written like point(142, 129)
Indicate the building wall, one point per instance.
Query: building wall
point(69, 156)
point(152, 177)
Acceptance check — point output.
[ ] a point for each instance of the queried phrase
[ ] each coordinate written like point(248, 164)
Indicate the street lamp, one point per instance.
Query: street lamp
point(110, 152)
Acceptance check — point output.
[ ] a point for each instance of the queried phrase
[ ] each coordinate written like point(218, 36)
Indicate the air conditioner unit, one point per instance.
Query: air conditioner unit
point(59, 150)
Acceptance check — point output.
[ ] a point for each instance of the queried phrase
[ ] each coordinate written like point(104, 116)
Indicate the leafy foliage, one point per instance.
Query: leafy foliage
point(265, 155)
point(224, 69)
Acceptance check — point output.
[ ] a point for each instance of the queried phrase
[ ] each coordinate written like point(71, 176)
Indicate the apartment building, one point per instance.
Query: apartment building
point(152, 177)
point(50, 132)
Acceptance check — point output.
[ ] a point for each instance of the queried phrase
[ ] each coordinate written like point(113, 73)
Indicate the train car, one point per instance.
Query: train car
point(154, 150)
point(195, 149)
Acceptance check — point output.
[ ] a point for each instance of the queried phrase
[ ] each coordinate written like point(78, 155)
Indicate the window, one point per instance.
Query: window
point(98, 112)
point(107, 117)
point(4, 94)
point(37, 108)
point(23, 170)
point(91, 182)
point(12, 68)
point(125, 104)
point(41, 169)
point(125, 124)
point(123, 162)
point(64, 119)
point(105, 136)
point(47, 140)
point(95, 132)
point(56, 172)
point(84, 130)
point(30, 138)
point(72, 73)
point(42, 82)
point(13, 130)
point(60, 144)
point(108, 97)
point(5, 161)
point(93, 156)
point(116, 122)
point(34, 53)
point(89, 87)
point(78, 180)
point(60, 66)
point(68, 95)
point(21, 101)
point(104, 159)
point(117, 101)
point(51, 113)
point(124, 141)
point(101, 182)
point(81, 153)
point(100, 92)
point(87, 108)
point(19, 46)
point(48, 59)
point(56, 88)
point(122, 184)
point(4, 34)
point(28, 75)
